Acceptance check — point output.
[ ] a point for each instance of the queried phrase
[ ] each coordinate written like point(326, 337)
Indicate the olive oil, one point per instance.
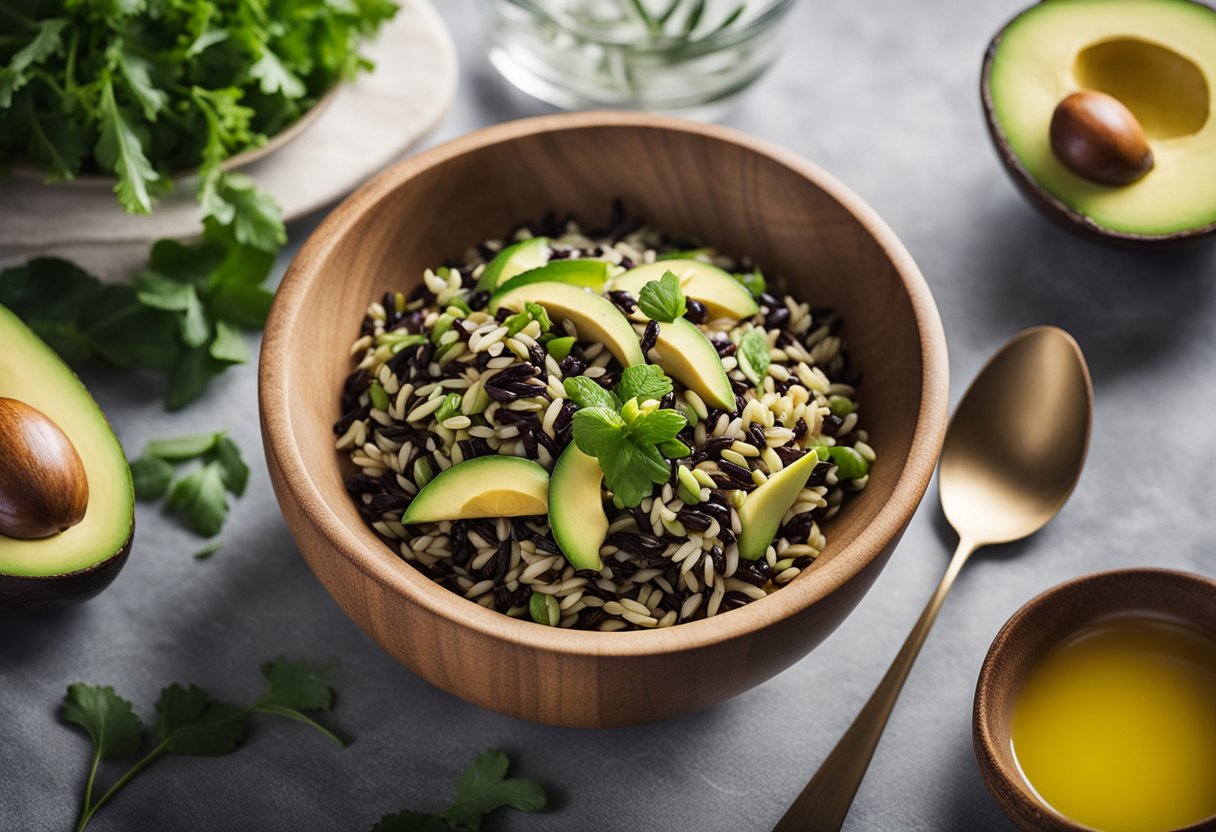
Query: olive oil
point(1115, 728)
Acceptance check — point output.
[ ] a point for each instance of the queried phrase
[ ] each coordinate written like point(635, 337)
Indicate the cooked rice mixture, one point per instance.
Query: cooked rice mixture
point(665, 562)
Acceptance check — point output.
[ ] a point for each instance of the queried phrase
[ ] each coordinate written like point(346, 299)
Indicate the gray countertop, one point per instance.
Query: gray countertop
point(884, 95)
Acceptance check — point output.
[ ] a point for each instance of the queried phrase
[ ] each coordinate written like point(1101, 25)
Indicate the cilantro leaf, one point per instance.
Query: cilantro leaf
point(151, 477)
point(193, 724)
point(753, 355)
point(233, 467)
point(136, 71)
point(200, 498)
point(45, 43)
point(663, 299)
point(298, 684)
point(120, 149)
point(586, 392)
point(254, 215)
point(408, 821)
point(483, 787)
point(109, 719)
point(643, 382)
point(273, 77)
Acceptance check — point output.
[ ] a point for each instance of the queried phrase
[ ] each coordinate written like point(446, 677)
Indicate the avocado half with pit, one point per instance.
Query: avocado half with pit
point(67, 506)
point(1138, 169)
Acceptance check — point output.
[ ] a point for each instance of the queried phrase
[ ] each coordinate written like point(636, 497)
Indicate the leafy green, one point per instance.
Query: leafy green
point(586, 392)
point(753, 355)
point(189, 721)
point(643, 382)
point(210, 549)
point(532, 312)
point(199, 497)
point(483, 787)
point(753, 281)
point(663, 299)
point(626, 446)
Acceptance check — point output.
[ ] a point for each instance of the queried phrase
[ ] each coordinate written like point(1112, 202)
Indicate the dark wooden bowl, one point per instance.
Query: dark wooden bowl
point(1041, 624)
point(742, 195)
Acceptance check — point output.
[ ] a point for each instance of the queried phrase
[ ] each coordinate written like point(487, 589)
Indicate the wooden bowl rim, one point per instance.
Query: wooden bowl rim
point(857, 554)
point(1010, 782)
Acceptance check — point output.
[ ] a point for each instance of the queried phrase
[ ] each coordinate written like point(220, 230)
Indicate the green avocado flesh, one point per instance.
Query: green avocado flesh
point(592, 274)
point(576, 508)
point(485, 486)
point(687, 355)
point(512, 260)
point(594, 316)
point(1158, 57)
point(761, 513)
point(723, 296)
point(32, 373)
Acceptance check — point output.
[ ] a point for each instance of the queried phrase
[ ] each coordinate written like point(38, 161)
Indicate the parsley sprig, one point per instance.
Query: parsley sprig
point(189, 721)
point(627, 431)
point(199, 497)
point(483, 787)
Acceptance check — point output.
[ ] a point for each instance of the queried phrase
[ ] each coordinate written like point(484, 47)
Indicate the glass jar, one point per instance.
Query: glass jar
point(684, 56)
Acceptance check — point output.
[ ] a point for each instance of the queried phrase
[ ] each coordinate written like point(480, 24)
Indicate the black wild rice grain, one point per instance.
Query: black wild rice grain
point(650, 336)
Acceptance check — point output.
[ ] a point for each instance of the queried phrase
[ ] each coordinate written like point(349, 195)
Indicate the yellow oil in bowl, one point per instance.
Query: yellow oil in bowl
point(1115, 728)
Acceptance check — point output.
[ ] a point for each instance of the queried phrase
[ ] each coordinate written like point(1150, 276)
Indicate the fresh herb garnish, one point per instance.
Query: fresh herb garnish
point(643, 382)
point(663, 299)
point(183, 316)
point(483, 787)
point(189, 721)
point(586, 392)
point(200, 497)
point(754, 356)
point(753, 281)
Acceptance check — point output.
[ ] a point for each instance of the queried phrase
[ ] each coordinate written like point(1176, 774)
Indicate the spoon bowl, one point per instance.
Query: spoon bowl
point(1012, 455)
point(1018, 439)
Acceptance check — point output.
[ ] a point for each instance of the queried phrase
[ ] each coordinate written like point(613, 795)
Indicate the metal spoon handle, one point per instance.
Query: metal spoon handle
point(823, 804)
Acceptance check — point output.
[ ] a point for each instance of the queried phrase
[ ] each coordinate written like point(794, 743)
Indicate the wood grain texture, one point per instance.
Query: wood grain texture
point(1041, 624)
point(745, 197)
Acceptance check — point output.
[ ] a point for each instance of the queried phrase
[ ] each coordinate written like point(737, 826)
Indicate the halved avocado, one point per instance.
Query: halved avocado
point(576, 508)
point(594, 316)
point(761, 513)
point(516, 258)
point(83, 559)
point(1156, 57)
point(592, 274)
point(723, 296)
point(485, 486)
point(687, 355)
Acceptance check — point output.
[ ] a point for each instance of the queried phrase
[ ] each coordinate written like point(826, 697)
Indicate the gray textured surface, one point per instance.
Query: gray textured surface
point(883, 95)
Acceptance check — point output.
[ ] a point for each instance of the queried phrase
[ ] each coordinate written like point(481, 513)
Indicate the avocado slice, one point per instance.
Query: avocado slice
point(576, 508)
point(595, 317)
point(1156, 57)
point(485, 486)
point(687, 355)
point(80, 561)
point(592, 274)
point(761, 513)
point(723, 296)
point(516, 258)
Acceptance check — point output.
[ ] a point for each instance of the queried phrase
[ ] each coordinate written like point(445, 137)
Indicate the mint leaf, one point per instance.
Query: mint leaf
point(663, 299)
point(657, 426)
point(151, 477)
point(228, 346)
point(199, 497)
point(109, 720)
point(643, 382)
point(183, 447)
point(586, 392)
point(598, 430)
point(233, 468)
point(193, 724)
point(753, 356)
point(483, 787)
point(674, 449)
point(753, 281)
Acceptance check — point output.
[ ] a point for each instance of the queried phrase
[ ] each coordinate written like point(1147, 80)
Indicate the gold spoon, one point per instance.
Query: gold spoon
point(1013, 453)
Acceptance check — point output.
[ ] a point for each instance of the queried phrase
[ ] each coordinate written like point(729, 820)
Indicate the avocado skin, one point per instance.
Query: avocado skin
point(1051, 207)
point(22, 592)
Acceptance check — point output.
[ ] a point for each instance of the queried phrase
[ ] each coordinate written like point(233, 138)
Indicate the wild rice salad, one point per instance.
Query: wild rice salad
point(441, 380)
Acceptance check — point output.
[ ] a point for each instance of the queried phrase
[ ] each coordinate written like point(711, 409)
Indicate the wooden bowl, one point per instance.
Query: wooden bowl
point(1041, 624)
point(738, 193)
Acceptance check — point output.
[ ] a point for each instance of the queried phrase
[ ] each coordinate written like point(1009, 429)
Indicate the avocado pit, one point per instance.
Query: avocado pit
point(1100, 139)
point(43, 486)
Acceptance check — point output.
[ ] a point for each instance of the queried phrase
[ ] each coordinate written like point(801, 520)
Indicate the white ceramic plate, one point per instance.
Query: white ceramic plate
point(368, 124)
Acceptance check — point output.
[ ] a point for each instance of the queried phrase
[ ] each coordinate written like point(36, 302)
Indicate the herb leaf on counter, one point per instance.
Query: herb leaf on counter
point(200, 496)
point(483, 787)
point(189, 721)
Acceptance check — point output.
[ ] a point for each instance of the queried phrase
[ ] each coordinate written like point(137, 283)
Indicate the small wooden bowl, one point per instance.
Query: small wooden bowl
point(738, 193)
point(1041, 624)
